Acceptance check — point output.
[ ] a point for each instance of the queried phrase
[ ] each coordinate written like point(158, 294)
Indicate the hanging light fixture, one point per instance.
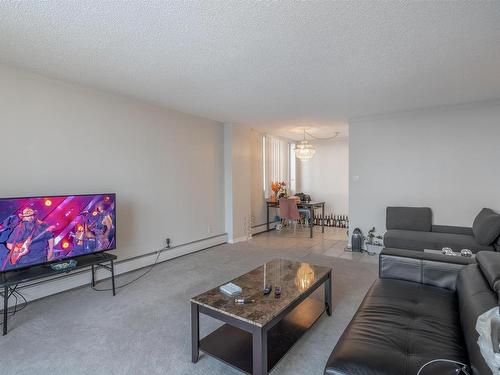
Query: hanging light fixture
point(304, 150)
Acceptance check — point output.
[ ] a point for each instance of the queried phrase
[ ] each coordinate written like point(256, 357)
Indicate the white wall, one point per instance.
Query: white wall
point(165, 166)
point(237, 164)
point(326, 176)
point(447, 159)
point(258, 200)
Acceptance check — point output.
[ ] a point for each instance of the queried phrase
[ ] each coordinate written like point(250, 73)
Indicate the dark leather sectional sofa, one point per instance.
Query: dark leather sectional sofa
point(424, 306)
point(411, 228)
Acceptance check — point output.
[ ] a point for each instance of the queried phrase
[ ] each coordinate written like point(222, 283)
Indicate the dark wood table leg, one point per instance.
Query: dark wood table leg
point(267, 222)
point(195, 332)
point(328, 294)
point(5, 308)
point(259, 352)
point(93, 276)
point(323, 216)
point(311, 227)
point(113, 277)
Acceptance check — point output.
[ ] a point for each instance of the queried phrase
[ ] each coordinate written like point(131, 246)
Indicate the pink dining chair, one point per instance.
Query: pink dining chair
point(289, 211)
point(293, 212)
point(283, 208)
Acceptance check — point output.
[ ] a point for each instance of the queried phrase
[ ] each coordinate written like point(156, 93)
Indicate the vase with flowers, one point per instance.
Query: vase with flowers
point(279, 189)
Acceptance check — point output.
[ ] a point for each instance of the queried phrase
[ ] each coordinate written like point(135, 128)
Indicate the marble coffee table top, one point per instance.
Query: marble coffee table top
point(294, 278)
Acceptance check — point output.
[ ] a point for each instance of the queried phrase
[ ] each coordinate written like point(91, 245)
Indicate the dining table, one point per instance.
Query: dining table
point(311, 206)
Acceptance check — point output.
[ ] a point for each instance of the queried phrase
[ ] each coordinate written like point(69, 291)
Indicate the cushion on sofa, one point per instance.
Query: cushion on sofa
point(409, 218)
point(400, 326)
point(474, 298)
point(486, 226)
point(412, 240)
point(489, 263)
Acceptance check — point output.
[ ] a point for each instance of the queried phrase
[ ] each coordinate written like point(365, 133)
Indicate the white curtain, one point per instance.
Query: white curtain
point(276, 162)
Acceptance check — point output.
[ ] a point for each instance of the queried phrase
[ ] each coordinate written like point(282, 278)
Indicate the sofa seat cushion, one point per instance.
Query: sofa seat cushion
point(399, 327)
point(413, 240)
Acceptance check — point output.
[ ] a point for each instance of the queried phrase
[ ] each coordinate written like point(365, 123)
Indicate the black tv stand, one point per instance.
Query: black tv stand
point(21, 276)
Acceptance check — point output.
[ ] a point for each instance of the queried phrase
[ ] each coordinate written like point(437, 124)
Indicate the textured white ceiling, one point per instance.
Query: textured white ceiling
point(268, 63)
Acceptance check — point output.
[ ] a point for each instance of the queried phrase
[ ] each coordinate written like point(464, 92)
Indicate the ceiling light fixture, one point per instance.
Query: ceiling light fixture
point(304, 150)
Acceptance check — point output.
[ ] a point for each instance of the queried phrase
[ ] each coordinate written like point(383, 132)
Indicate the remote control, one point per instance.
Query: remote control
point(267, 289)
point(243, 301)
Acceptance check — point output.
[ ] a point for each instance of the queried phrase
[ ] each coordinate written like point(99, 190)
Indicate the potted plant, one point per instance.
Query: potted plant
point(373, 242)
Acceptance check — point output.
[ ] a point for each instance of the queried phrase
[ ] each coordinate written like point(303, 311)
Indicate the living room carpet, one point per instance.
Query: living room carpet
point(145, 328)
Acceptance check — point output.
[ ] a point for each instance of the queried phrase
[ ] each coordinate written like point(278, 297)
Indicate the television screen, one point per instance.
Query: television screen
point(43, 229)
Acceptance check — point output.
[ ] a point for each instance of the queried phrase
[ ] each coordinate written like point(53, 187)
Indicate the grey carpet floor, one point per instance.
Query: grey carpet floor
point(145, 328)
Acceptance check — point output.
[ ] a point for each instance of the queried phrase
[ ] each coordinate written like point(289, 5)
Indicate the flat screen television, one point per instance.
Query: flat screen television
point(37, 230)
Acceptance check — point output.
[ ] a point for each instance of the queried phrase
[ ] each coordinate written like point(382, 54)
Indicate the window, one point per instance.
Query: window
point(264, 162)
point(276, 163)
point(292, 170)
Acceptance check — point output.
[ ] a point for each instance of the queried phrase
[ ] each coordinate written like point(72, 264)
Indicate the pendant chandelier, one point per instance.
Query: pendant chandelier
point(304, 150)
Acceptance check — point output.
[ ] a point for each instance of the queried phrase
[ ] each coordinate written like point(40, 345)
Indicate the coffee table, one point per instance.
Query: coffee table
point(256, 336)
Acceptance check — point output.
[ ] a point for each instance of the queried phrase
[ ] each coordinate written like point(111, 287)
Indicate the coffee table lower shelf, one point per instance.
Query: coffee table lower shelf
point(234, 346)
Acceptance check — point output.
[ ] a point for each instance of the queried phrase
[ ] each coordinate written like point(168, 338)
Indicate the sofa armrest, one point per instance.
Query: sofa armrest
point(452, 229)
point(420, 267)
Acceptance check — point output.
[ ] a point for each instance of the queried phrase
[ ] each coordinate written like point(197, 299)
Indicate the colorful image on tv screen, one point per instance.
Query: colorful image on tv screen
point(43, 229)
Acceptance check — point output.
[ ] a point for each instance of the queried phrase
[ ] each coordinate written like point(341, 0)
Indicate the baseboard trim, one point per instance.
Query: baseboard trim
point(60, 283)
point(263, 227)
point(239, 239)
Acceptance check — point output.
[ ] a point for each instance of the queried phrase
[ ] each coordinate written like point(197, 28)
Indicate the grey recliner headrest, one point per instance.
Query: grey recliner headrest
point(489, 262)
point(409, 218)
point(486, 226)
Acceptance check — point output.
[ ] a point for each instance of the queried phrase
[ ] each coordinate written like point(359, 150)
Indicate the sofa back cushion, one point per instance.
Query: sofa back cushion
point(474, 298)
point(409, 218)
point(486, 226)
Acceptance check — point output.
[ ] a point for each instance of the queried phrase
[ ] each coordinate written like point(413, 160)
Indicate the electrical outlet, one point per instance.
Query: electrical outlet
point(209, 230)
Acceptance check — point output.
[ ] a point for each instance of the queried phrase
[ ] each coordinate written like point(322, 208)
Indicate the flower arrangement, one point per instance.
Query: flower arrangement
point(279, 189)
